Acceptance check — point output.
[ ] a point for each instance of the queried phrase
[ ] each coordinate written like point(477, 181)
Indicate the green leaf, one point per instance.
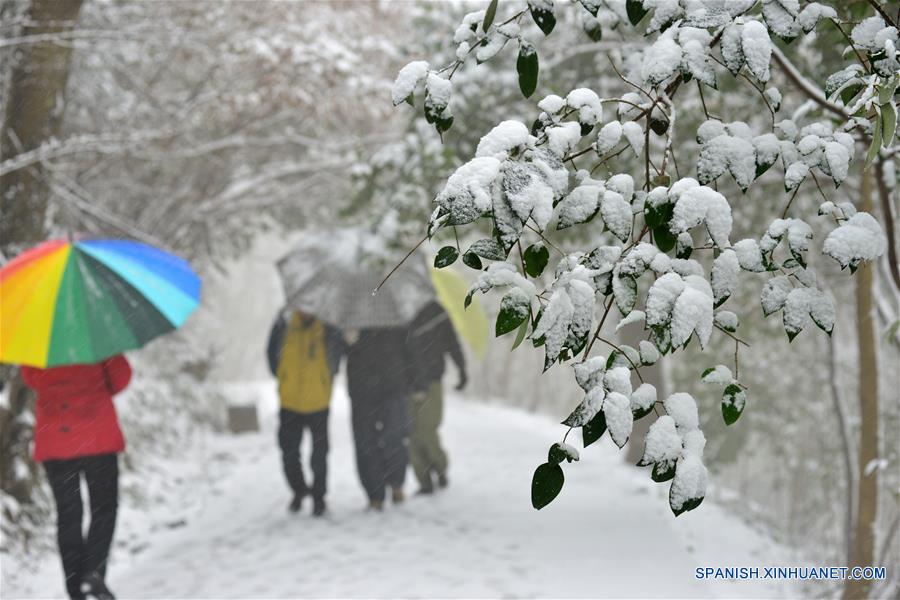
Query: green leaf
point(520, 336)
point(556, 454)
point(593, 429)
point(445, 257)
point(663, 471)
point(544, 18)
point(762, 168)
point(471, 260)
point(850, 92)
point(889, 124)
point(659, 215)
point(635, 10)
point(514, 310)
point(593, 29)
point(527, 67)
point(546, 484)
point(689, 505)
point(876, 143)
point(468, 299)
point(536, 257)
point(664, 239)
point(734, 398)
point(640, 413)
point(659, 126)
point(489, 15)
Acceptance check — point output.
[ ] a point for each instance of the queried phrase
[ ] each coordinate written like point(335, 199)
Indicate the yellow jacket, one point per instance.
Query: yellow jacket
point(304, 375)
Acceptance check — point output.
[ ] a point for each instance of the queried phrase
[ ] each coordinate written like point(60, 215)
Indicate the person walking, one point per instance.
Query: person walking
point(431, 338)
point(378, 368)
point(304, 354)
point(77, 433)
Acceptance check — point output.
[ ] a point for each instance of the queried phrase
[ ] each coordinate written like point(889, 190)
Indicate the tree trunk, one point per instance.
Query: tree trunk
point(863, 548)
point(32, 115)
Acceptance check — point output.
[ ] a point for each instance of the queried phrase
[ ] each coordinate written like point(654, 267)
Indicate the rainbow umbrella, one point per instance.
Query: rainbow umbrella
point(65, 303)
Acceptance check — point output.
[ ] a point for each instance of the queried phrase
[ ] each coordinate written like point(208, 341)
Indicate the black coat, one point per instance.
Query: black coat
point(430, 338)
point(379, 365)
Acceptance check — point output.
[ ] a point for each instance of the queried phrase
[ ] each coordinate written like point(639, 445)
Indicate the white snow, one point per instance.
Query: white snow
point(661, 298)
point(552, 104)
point(662, 444)
point(619, 420)
point(635, 136)
point(757, 49)
point(693, 312)
point(795, 175)
point(720, 375)
point(590, 110)
point(500, 140)
point(468, 190)
point(407, 80)
point(616, 213)
point(618, 379)
point(649, 352)
point(661, 60)
point(726, 319)
point(724, 275)
point(774, 294)
point(838, 160)
point(683, 409)
point(608, 137)
point(700, 204)
point(858, 238)
point(690, 481)
point(235, 538)
point(562, 138)
point(644, 396)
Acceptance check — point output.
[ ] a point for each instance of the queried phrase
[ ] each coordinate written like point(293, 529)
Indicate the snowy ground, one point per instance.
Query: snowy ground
point(609, 534)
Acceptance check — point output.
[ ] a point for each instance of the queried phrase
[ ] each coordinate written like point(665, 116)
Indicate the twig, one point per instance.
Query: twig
point(541, 235)
point(398, 265)
point(636, 370)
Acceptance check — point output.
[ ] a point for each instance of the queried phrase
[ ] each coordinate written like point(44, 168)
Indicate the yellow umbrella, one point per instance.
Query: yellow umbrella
point(470, 323)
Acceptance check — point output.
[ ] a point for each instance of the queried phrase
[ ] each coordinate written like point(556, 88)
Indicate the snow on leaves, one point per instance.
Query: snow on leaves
point(520, 182)
point(858, 239)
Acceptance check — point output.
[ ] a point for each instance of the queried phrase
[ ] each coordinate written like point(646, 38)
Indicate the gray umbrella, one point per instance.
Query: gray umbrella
point(332, 274)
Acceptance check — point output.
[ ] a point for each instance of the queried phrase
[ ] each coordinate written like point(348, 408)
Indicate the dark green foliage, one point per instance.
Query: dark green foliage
point(593, 429)
point(536, 258)
point(470, 259)
point(489, 15)
point(546, 484)
point(527, 68)
point(544, 18)
point(635, 10)
point(445, 257)
point(733, 401)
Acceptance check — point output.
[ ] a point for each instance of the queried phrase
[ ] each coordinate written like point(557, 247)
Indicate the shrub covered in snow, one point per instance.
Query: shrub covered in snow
point(644, 227)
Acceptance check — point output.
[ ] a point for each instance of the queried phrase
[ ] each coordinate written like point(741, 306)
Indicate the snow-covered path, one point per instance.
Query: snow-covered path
point(609, 534)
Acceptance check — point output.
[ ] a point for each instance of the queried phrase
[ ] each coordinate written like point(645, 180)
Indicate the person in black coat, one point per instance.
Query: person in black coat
point(430, 339)
point(378, 381)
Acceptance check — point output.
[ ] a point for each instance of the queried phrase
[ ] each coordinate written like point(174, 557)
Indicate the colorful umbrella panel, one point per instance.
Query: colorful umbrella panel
point(75, 303)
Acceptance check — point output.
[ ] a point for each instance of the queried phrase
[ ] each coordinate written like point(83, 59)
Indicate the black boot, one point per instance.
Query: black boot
point(297, 502)
point(318, 507)
point(95, 587)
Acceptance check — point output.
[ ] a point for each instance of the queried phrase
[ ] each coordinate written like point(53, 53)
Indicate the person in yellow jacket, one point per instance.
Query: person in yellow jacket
point(304, 354)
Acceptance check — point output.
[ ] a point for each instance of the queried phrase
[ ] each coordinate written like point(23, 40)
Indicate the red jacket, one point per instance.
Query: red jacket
point(75, 415)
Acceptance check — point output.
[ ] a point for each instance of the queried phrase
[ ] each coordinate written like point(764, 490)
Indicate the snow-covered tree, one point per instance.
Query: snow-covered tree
point(657, 245)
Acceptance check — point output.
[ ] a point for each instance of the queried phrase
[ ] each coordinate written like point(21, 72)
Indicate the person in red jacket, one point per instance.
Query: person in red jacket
point(77, 432)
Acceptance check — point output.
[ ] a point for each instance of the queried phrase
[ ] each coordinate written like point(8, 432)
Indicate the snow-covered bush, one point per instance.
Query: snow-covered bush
point(647, 230)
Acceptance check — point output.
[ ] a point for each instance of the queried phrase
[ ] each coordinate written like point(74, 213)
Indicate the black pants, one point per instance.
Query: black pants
point(380, 429)
point(81, 555)
point(290, 435)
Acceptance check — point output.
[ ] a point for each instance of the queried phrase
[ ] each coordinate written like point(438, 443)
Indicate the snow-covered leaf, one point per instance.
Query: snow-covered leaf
point(619, 420)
